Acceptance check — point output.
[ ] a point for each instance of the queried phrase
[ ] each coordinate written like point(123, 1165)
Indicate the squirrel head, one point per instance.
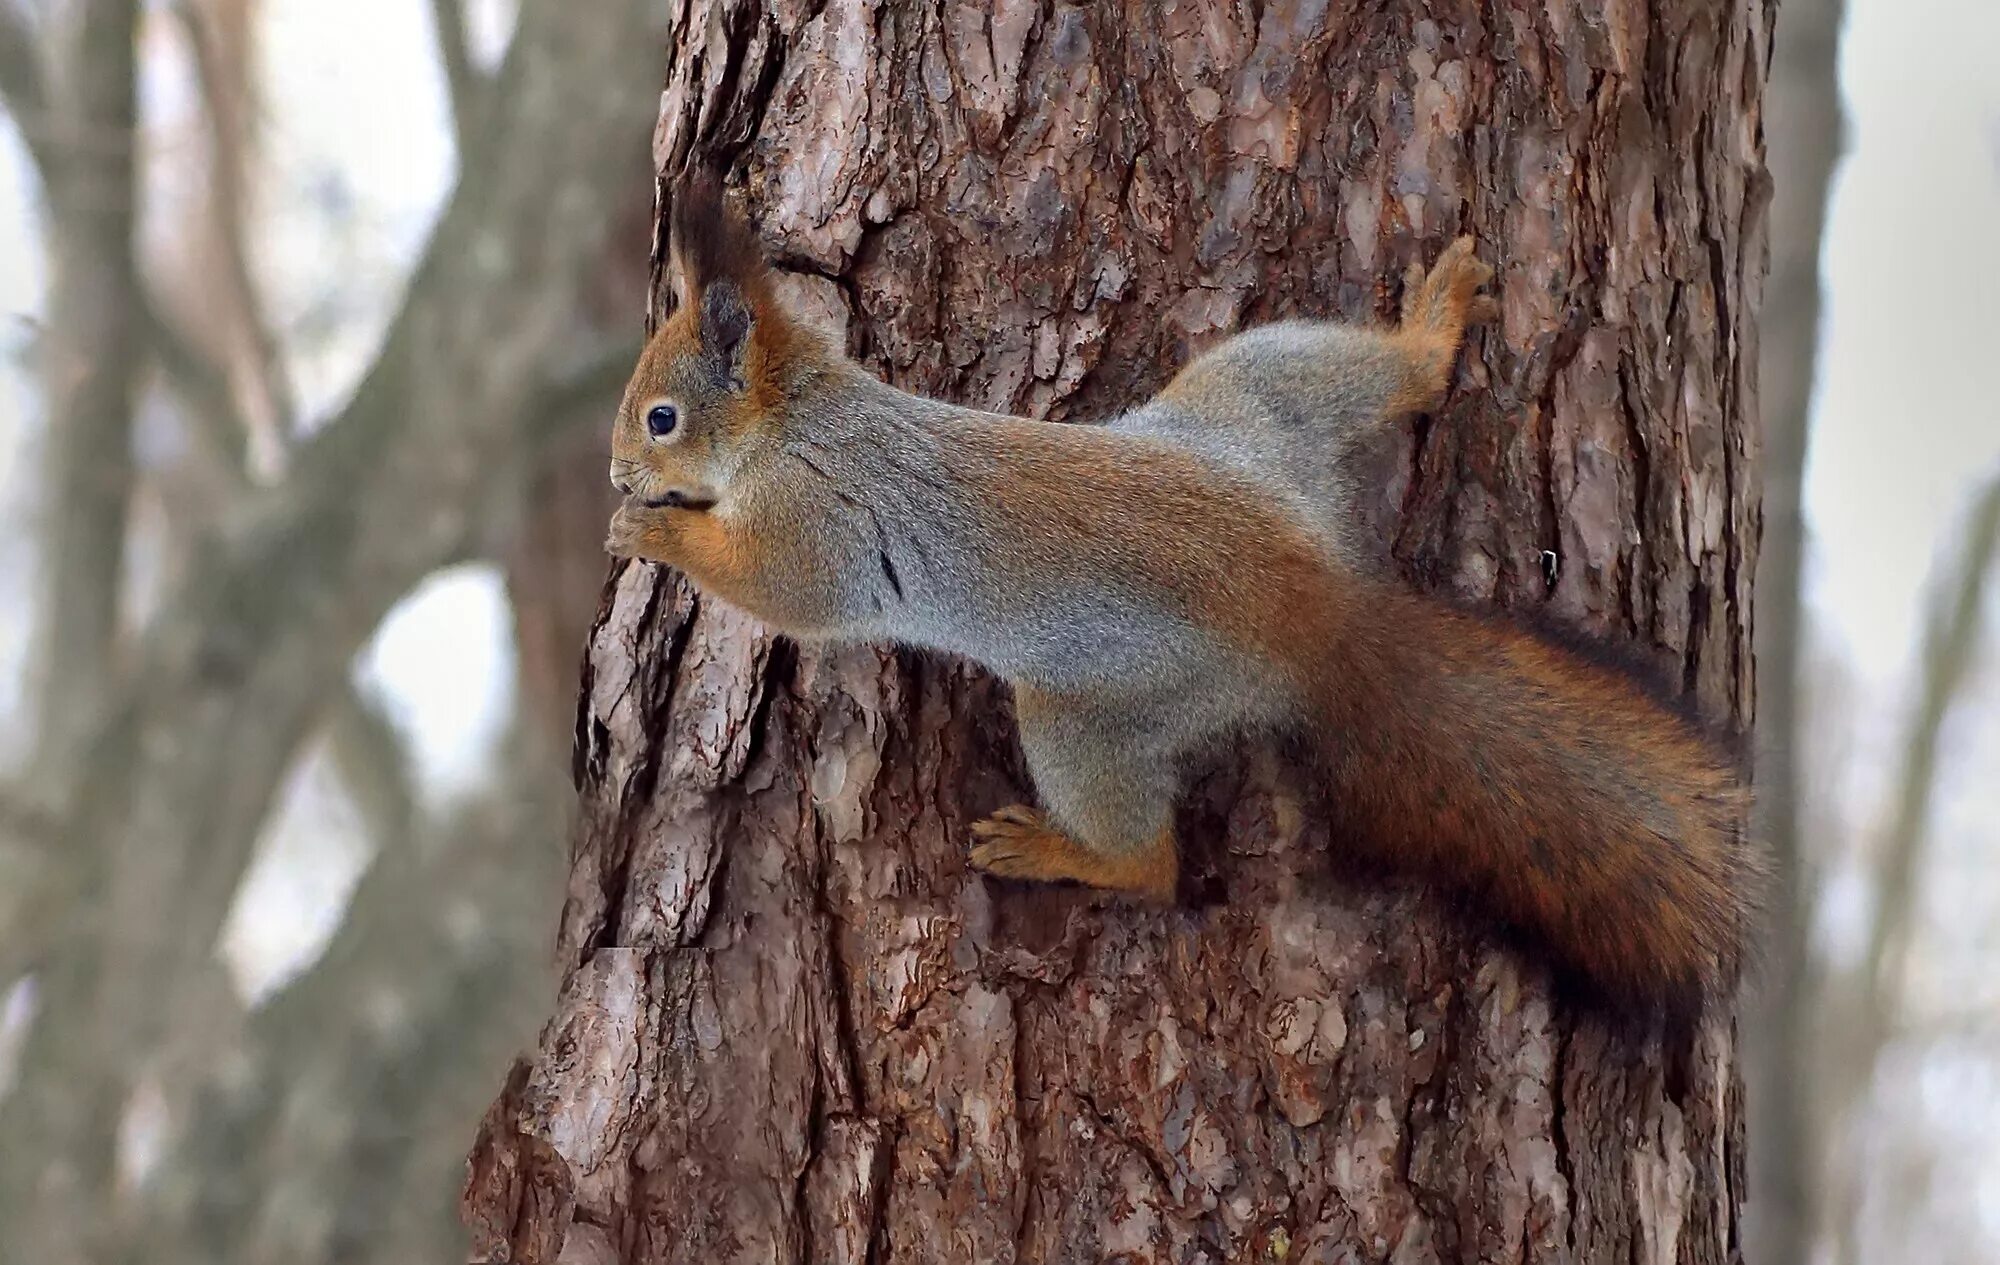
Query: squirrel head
point(716, 376)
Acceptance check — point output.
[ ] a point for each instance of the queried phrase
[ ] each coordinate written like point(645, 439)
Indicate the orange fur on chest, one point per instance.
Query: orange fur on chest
point(722, 561)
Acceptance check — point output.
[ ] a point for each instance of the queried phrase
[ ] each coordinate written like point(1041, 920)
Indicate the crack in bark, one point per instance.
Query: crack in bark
point(1559, 1132)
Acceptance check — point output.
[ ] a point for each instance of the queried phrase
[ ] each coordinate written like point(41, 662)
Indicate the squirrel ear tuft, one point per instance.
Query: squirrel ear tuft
point(725, 329)
point(709, 241)
point(724, 276)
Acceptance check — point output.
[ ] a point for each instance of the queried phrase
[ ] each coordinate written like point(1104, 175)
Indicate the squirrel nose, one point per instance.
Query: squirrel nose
point(618, 481)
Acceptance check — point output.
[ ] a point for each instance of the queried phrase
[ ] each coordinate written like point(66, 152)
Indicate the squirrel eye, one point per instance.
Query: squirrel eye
point(660, 420)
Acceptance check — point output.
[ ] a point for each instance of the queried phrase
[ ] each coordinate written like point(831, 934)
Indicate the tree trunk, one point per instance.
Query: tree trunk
point(1789, 1091)
point(795, 1027)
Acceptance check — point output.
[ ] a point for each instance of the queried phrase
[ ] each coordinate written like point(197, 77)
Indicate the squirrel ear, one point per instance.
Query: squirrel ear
point(726, 319)
point(722, 271)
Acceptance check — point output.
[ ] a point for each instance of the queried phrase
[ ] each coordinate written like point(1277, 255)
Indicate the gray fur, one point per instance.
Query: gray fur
point(1264, 403)
point(893, 504)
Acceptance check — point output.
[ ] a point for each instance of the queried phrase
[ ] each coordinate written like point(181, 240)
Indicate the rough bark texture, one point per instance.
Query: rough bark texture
point(795, 1027)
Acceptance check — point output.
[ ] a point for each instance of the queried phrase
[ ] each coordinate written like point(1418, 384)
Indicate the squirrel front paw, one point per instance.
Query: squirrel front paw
point(1018, 842)
point(636, 531)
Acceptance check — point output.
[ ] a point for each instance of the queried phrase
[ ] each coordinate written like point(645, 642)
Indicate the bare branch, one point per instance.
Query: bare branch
point(1950, 640)
point(462, 80)
point(374, 767)
point(1949, 645)
point(90, 374)
point(202, 387)
point(1785, 1066)
point(222, 55)
point(24, 89)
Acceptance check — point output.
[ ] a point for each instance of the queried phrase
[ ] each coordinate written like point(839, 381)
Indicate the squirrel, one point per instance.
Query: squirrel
point(1153, 585)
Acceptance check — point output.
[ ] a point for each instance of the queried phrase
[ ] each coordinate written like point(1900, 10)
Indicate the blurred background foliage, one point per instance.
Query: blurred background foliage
point(311, 320)
point(317, 315)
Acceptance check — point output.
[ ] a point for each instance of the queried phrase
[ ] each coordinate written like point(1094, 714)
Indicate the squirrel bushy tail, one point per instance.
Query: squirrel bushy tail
point(1547, 787)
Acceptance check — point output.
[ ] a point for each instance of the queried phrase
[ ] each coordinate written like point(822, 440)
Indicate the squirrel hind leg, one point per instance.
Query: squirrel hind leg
point(1437, 306)
point(1107, 775)
point(1445, 299)
point(1019, 842)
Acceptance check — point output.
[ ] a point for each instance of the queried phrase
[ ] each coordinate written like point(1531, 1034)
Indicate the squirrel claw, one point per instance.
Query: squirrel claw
point(1014, 843)
point(1015, 816)
point(1018, 842)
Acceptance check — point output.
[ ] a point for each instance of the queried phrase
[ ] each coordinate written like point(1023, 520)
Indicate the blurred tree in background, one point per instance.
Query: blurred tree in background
point(1804, 122)
point(203, 600)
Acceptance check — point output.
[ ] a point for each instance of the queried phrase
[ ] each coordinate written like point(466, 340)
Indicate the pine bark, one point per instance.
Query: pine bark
point(793, 1025)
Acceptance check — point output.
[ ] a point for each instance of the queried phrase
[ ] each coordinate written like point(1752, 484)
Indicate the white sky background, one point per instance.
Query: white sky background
point(1907, 423)
point(1906, 427)
point(1907, 415)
